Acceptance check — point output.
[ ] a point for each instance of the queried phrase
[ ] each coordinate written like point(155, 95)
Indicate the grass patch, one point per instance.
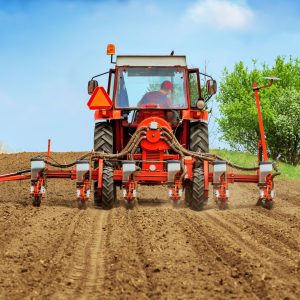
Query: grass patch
point(249, 160)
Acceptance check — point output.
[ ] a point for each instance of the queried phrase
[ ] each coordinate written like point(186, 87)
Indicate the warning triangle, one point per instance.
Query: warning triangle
point(100, 99)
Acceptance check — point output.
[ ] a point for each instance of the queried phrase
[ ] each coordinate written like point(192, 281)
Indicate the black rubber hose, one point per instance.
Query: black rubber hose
point(172, 138)
point(276, 174)
point(129, 146)
point(237, 166)
point(16, 173)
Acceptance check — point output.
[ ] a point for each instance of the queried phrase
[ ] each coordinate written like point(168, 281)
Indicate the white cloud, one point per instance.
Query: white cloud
point(221, 14)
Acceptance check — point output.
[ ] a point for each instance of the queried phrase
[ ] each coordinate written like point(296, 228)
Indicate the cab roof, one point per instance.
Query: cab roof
point(151, 61)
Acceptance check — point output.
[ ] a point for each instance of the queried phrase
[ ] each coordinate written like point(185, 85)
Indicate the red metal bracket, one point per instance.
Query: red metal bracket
point(130, 190)
point(83, 193)
point(100, 173)
point(175, 192)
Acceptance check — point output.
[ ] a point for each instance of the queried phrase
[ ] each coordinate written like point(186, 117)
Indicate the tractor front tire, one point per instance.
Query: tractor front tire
point(108, 188)
point(103, 142)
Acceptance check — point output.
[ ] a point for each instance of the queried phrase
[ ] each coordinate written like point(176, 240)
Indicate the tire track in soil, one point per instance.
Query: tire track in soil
point(250, 259)
point(84, 270)
point(138, 235)
point(125, 276)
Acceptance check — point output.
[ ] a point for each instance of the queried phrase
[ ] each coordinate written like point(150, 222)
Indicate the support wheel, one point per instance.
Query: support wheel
point(259, 202)
point(176, 203)
point(195, 194)
point(222, 205)
point(109, 195)
point(268, 204)
point(36, 201)
point(103, 142)
point(81, 204)
point(130, 204)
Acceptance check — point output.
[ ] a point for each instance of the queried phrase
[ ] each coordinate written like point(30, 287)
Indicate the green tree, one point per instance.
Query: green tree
point(280, 108)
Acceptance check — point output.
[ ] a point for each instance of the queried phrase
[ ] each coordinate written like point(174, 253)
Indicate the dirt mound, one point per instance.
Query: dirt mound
point(151, 252)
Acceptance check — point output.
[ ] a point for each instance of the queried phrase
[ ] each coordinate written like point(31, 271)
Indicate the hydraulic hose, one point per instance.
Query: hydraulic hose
point(64, 166)
point(135, 139)
point(201, 156)
point(167, 136)
point(16, 173)
point(275, 174)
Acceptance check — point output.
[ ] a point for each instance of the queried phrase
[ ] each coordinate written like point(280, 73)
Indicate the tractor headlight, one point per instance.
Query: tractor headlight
point(200, 104)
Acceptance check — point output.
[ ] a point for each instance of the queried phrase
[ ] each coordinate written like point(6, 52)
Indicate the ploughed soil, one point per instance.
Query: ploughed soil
point(151, 252)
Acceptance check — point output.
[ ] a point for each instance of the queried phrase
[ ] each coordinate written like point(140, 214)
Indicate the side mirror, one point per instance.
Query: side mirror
point(92, 84)
point(211, 86)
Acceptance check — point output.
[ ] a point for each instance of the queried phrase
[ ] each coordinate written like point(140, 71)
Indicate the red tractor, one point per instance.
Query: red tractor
point(153, 114)
point(151, 129)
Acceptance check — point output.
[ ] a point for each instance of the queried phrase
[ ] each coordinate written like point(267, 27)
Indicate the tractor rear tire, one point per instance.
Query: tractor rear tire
point(103, 142)
point(108, 188)
point(194, 193)
point(199, 137)
point(195, 196)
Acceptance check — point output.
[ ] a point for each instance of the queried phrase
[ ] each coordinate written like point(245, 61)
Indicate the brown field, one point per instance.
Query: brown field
point(151, 252)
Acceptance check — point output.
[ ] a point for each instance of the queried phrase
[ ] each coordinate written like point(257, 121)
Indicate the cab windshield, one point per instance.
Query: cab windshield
point(151, 87)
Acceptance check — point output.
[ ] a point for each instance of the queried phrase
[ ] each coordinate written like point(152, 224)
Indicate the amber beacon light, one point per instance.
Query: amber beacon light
point(111, 49)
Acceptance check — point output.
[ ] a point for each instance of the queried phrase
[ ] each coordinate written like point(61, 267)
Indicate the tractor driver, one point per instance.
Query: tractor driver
point(159, 98)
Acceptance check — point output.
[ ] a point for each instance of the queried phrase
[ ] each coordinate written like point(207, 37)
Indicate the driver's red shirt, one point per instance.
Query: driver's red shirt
point(157, 98)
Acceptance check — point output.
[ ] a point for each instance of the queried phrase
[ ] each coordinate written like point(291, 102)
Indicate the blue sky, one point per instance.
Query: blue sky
point(50, 49)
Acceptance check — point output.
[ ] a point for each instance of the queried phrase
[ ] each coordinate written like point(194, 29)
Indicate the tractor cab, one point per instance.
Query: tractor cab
point(162, 76)
point(144, 86)
point(151, 86)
